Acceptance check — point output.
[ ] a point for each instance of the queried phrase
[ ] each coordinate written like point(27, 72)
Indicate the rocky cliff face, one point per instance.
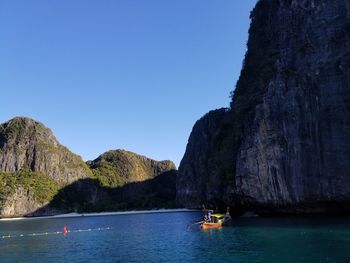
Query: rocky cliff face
point(19, 203)
point(196, 182)
point(25, 143)
point(33, 166)
point(289, 132)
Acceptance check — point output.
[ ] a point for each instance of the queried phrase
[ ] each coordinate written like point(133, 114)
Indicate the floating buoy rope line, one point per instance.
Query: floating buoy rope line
point(64, 232)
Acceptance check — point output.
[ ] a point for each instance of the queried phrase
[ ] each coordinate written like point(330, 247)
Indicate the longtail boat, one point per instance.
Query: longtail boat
point(217, 221)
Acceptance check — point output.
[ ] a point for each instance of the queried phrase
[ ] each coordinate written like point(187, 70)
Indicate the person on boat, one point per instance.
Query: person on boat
point(205, 217)
point(209, 216)
point(227, 216)
point(227, 212)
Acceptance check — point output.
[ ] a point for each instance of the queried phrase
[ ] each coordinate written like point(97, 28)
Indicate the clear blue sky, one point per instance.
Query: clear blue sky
point(130, 74)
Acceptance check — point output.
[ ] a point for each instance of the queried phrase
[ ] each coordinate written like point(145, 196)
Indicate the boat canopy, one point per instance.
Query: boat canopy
point(218, 216)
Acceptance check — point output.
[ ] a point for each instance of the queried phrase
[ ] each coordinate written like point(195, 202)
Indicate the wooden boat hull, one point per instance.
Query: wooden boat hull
point(211, 225)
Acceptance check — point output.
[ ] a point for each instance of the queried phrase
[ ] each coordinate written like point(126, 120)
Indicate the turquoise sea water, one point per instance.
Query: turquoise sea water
point(166, 238)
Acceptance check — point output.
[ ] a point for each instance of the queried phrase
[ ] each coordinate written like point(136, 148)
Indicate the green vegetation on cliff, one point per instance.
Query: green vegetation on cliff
point(118, 167)
point(18, 129)
point(42, 186)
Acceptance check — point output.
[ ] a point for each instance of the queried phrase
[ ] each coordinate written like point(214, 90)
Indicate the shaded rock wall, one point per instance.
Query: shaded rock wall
point(88, 195)
point(289, 134)
point(296, 143)
point(200, 178)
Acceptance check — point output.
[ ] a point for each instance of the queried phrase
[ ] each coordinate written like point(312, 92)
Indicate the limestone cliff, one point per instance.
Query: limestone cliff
point(289, 132)
point(196, 182)
point(33, 166)
point(26, 143)
point(20, 202)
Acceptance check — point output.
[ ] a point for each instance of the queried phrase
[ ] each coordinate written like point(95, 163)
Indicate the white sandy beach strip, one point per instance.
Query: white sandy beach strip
point(104, 214)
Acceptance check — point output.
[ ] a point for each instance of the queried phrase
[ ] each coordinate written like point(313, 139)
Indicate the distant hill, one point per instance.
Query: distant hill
point(118, 167)
point(40, 176)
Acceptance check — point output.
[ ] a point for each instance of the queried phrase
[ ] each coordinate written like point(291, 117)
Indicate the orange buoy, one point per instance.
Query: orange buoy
point(65, 230)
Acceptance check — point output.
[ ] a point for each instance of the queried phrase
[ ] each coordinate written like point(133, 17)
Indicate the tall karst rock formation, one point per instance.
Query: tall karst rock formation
point(33, 166)
point(284, 145)
point(28, 144)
